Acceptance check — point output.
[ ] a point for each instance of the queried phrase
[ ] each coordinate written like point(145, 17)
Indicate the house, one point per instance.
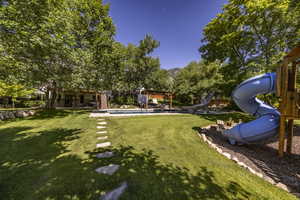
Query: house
point(81, 98)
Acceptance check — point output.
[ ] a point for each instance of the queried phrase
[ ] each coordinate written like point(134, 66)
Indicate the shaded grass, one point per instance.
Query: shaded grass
point(231, 116)
point(52, 156)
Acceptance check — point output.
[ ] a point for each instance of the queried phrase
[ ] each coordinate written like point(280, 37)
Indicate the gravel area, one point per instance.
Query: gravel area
point(263, 158)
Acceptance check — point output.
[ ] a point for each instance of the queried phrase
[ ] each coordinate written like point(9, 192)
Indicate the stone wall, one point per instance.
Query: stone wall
point(12, 114)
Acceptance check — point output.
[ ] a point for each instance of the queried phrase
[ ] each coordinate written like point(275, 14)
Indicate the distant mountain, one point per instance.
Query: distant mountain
point(173, 72)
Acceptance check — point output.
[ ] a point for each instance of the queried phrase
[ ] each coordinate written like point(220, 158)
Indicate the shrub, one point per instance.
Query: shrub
point(32, 103)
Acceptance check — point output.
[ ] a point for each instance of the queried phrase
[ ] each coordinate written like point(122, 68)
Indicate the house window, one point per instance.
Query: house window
point(81, 98)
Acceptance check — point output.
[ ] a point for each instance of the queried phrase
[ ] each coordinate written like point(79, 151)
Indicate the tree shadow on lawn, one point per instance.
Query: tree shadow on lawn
point(48, 114)
point(32, 167)
point(226, 117)
point(148, 178)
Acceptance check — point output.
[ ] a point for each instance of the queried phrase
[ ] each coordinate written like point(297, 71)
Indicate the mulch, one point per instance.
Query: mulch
point(263, 157)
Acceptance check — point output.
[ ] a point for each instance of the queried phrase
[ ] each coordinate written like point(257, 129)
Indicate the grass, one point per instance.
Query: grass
point(52, 156)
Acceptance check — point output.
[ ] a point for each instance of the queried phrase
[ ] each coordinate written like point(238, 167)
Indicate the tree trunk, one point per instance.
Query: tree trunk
point(47, 97)
point(192, 99)
point(51, 98)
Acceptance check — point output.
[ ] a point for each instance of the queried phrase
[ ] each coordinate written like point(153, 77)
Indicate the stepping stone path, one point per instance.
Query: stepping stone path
point(103, 145)
point(107, 154)
point(101, 132)
point(116, 193)
point(109, 169)
point(102, 138)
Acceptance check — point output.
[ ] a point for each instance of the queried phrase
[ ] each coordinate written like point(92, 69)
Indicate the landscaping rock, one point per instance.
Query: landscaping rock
point(219, 150)
point(109, 169)
point(21, 114)
point(242, 164)
point(235, 159)
point(101, 127)
point(102, 123)
point(11, 115)
point(258, 159)
point(282, 186)
point(103, 145)
point(213, 128)
point(227, 155)
point(106, 154)
point(102, 138)
point(5, 115)
point(270, 180)
point(116, 193)
point(31, 113)
point(101, 132)
point(220, 122)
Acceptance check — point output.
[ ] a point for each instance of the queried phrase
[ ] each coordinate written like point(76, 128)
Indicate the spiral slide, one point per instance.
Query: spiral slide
point(267, 122)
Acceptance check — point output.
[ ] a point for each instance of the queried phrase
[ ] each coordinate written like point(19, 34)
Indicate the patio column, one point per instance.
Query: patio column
point(98, 101)
point(171, 100)
point(103, 101)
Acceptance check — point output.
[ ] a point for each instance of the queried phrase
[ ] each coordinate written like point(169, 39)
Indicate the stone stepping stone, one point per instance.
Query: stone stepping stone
point(101, 132)
point(102, 123)
point(116, 193)
point(102, 138)
point(109, 169)
point(106, 154)
point(100, 119)
point(101, 127)
point(103, 145)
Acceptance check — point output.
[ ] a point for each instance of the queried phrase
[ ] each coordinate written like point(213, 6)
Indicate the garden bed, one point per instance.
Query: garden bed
point(262, 159)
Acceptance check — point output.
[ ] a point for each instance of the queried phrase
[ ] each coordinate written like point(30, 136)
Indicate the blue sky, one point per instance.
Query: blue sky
point(177, 24)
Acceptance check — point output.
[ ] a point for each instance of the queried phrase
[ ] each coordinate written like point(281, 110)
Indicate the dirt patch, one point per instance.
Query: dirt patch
point(263, 158)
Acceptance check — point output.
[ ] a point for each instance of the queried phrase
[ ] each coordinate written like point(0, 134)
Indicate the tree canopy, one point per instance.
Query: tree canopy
point(197, 80)
point(69, 44)
point(250, 37)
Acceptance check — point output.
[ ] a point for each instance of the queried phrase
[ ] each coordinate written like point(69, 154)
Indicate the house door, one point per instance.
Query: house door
point(68, 100)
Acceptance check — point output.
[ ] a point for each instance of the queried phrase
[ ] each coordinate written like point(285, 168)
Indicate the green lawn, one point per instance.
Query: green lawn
point(52, 156)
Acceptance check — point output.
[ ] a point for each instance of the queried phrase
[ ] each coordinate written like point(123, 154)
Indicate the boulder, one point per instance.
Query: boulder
point(11, 115)
point(21, 114)
point(31, 112)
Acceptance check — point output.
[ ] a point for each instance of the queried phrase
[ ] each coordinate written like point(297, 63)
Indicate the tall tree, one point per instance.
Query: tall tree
point(140, 65)
point(160, 80)
point(197, 80)
point(59, 41)
point(14, 91)
point(251, 36)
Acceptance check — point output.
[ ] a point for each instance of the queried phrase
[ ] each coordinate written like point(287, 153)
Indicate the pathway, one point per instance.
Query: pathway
point(111, 168)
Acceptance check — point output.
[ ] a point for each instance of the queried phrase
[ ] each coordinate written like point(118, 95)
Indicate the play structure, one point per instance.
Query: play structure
point(269, 120)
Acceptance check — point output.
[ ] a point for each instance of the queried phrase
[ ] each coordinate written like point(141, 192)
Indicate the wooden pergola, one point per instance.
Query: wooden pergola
point(289, 98)
point(167, 94)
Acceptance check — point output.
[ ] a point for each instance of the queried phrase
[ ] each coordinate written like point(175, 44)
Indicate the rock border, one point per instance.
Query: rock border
point(237, 161)
point(12, 114)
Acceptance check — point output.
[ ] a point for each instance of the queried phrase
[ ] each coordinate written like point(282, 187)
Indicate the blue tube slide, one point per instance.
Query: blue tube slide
point(267, 122)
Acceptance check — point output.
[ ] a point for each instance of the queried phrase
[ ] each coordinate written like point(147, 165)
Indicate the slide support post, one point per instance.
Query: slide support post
point(281, 136)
